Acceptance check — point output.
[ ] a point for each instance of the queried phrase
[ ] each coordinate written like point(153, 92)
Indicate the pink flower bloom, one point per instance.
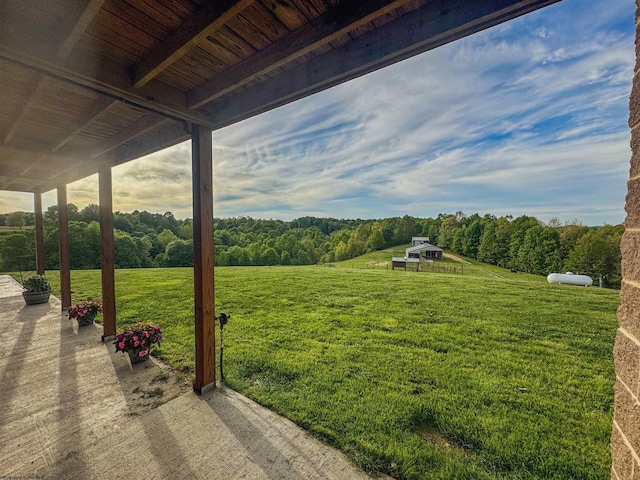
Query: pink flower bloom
point(136, 341)
point(121, 345)
point(146, 334)
point(143, 352)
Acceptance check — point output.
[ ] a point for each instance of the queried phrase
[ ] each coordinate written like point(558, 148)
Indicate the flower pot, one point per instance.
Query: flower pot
point(33, 298)
point(87, 319)
point(135, 358)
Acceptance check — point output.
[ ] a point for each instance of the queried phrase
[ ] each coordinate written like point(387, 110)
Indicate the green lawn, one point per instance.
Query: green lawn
point(483, 375)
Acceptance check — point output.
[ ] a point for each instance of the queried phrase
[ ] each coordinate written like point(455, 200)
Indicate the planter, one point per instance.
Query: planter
point(33, 298)
point(87, 319)
point(136, 358)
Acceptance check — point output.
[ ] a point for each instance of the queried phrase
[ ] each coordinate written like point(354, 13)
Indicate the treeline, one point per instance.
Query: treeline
point(526, 244)
point(144, 239)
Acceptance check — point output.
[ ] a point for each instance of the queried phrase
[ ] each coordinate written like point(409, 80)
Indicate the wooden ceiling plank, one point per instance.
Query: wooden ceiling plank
point(309, 9)
point(324, 29)
point(195, 29)
point(264, 21)
point(248, 32)
point(85, 18)
point(31, 95)
point(70, 174)
point(435, 24)
point(139, 128)
point(32, 164)
point(105, 76)
point(159, 139)
point(81, 25)
point(168, 136)
point(93, 111)
point(286, 13)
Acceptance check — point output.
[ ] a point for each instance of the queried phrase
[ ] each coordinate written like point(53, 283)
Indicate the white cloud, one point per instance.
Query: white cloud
point(526, 118)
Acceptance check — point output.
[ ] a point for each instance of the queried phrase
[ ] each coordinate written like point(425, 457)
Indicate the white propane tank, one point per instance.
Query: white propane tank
point(570, 279)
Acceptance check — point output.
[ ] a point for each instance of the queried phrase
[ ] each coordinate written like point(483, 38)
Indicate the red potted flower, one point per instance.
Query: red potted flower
point(137, 339)
point(85, 312)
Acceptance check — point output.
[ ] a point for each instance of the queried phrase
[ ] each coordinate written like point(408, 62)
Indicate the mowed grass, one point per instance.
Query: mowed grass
point(483, 375)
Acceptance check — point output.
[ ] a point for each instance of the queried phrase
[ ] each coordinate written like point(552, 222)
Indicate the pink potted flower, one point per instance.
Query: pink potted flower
point(85, 312)
point(137, 339)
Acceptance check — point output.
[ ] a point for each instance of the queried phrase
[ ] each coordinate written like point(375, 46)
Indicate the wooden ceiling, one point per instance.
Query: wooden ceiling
point(90, 82)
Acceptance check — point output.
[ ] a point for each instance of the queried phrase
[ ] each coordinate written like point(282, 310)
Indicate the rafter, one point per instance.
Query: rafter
point(159, 139)
point(435, 24)
point(347, 16)
point(42, 150)
point(30, 165)
point(97, 108)
point(75, 171)
point(84, 19)
point(31, 96)
point(165, 137)
point(141, 127)
point(195, 29)
point(108, 77)
point(18, 172)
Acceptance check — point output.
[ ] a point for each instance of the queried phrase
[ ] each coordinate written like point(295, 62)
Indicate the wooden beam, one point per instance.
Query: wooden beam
point(165, 137)
point(435, 24)
point(330, 26)
point(155, 141)
point(15, 172)
point(37, 204)
point(107, 254)
point(27, 168)
point(195, 29)
point(84, 20)
point(203, 269)
point(74, 170)
point(41, 151)
point(63, 247)
point(141, 127)
point(31, 96)
point(93, 111)
point(103, 75)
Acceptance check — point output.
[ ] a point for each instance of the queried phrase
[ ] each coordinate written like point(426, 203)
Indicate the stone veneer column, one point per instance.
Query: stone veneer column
point(625, 437)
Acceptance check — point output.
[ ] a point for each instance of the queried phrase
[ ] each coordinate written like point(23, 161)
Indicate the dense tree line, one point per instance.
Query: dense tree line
point(144, 239)
point(528, 245)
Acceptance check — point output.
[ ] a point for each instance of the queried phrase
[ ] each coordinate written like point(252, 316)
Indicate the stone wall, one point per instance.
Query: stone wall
point(625, 437)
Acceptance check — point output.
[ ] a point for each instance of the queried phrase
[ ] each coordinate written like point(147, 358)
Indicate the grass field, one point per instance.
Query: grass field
point(6, 229)
point(483, 375)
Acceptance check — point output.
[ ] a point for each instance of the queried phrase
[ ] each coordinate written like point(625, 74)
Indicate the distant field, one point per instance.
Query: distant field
point(5, 229)
point(486, 375)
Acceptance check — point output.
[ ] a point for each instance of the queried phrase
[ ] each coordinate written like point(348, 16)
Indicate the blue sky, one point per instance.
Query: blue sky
point(529, 117)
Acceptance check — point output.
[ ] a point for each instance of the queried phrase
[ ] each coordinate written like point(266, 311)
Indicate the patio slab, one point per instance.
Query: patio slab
point(70, 407)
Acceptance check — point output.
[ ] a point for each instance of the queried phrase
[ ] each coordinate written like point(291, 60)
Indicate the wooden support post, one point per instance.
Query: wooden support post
point(37, 202)
point(107, 254)
point(63, 245)
point(202, 165)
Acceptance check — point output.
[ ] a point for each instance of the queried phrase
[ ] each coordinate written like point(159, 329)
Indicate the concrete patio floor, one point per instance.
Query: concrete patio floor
point(72, 408)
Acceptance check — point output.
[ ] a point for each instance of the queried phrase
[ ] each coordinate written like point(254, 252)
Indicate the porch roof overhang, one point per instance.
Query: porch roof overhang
point(97, 83)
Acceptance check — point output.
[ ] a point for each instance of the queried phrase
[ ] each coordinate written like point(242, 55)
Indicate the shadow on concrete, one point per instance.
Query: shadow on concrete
point(269, 457)
point(26, 321)
point(68, 446)
point(133, 379)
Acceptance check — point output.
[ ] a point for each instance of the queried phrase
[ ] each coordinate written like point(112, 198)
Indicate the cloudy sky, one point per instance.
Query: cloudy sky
point(529, 117)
